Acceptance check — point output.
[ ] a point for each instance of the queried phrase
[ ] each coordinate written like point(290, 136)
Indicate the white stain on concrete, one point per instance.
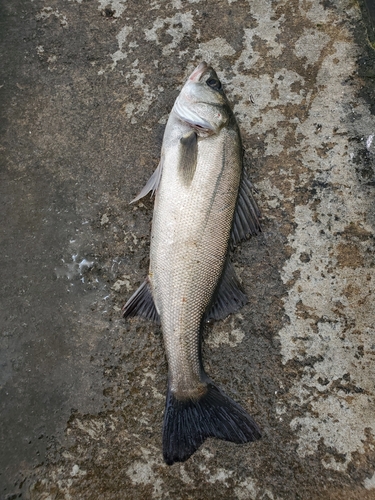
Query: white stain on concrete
point(121, 54)
point(220, 475)
point(271, 194)
point(73, 269)
point(267, 26)
point(233, 337)
point(133, 75)
point(76, 471)
point(124, 282)
point(185, 476)
point(47, 12)
point(217, 47)
point(369, 140)
point(283, 81)
point(177, 26)
point(246, 490)
point(138, 79)
point(84, 264)
point(144, 472)
point(310, 45)
point(94, 427)
point(369, 483)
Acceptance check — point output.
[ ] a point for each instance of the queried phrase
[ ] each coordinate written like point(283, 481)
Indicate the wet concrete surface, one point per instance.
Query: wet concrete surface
point(86, 87)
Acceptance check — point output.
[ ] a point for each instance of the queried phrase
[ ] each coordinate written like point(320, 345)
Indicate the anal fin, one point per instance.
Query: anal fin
point(141, 304)
point(229, 296)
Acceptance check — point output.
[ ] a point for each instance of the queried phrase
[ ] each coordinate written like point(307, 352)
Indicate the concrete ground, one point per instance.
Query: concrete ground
point(86, 87)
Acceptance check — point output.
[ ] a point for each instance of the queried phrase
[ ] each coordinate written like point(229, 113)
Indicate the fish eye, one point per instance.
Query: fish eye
point(214, 83)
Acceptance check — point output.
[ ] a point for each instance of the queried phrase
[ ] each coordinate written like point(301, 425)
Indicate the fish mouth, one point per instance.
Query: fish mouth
point(198, 72)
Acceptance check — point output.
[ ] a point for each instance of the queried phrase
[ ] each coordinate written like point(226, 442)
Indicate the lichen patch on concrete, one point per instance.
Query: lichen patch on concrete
point(121, 38)
point(233, 337)
point(142, 472)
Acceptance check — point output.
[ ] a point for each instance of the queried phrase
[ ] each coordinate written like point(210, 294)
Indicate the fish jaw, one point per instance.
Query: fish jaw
point(199, 70)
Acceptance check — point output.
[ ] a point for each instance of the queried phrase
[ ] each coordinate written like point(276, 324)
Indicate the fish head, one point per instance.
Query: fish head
point(202, 102)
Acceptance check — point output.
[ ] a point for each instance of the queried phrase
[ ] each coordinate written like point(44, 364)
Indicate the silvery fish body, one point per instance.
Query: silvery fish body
point(203, 203)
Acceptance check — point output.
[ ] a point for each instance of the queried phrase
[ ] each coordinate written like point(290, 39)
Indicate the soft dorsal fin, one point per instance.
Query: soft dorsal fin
point(152, 184)
point(246, 217)
point(141, 304)
point(188, 156)
point(229, 296)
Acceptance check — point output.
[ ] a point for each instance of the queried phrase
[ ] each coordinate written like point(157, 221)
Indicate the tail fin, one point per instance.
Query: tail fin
point(187, 423)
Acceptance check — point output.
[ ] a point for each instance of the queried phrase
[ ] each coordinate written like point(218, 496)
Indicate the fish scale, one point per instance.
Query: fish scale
point(195, 253)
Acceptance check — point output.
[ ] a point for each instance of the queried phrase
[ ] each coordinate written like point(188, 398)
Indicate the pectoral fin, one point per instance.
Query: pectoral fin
point(229, 297)
point(152, 184)
point(188, 156)
point(246, 218)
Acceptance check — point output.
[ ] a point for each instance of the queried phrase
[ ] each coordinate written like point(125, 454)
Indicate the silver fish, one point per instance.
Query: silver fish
point(203, 205)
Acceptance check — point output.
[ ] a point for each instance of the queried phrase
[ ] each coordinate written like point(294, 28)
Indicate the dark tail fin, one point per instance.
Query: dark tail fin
point(187, 423)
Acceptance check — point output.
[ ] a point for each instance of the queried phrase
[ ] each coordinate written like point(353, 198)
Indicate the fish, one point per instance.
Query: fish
point(204, 206)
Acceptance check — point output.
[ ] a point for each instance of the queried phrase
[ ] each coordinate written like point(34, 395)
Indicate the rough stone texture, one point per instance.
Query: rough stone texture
point(86, 87)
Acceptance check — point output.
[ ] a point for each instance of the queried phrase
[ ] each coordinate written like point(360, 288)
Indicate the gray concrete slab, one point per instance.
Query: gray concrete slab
point(86, 87)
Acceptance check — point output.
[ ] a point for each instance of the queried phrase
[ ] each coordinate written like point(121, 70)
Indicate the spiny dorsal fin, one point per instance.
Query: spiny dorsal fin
point(229, 296)
point(246, 217)
point(152, 184)
point(188, 156)
point(141, 304)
